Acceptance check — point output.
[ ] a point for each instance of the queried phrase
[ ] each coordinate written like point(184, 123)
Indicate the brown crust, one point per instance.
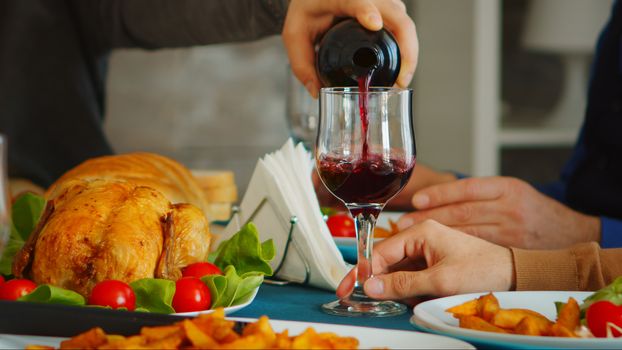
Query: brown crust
point(23, 259)
point(168, 231)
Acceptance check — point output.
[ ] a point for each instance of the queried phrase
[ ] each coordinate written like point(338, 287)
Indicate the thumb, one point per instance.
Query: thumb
point(398, 285)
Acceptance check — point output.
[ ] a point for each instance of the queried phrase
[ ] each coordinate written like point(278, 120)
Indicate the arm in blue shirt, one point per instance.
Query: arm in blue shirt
point(610, 228)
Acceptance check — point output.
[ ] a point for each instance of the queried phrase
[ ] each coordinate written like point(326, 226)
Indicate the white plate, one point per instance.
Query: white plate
point(228, 310)
point(431, 316)
point(368, 337)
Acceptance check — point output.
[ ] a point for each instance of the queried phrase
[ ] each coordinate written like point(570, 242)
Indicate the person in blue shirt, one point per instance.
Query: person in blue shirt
point(584, 205)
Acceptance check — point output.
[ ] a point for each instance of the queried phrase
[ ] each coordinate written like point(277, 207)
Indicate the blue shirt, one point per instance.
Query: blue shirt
point(591, 181)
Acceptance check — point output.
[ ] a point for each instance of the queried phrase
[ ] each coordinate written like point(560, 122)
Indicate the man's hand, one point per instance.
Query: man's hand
point(422, 177)
point(505, 211)
point(307, 20)
point(429, 259)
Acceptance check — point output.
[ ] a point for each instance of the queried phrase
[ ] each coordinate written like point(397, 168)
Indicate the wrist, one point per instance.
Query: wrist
point(591, 226)
point(510, 270)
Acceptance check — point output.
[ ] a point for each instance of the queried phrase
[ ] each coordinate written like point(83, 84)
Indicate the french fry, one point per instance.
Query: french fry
point(255, 341)
point(485, 314)
point(337, 342)
point(157, 333)
point(479, 324)
point(90, 339)
point(487, 306)
point(132, 342)
point(262, 326)
point(209, 331)
point(558, 330)
point(197, 337)
point(171, 343)
point(113, 337)
point(283, 340)
point(531, 325)
point(468, 308)
point(509, 318)
point(394, 228)
point(569, 315)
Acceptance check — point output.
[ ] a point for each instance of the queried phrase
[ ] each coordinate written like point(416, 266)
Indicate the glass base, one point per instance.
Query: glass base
point(376, 308)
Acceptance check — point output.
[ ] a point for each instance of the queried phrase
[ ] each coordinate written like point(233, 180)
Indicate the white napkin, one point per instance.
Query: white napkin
point(283, 179)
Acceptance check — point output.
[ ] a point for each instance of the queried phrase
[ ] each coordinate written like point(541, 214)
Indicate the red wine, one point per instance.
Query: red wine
point(369, 180)
point(363, 99)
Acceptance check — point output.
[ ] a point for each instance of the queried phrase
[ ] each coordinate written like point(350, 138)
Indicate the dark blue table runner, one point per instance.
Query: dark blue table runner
point(294, 302)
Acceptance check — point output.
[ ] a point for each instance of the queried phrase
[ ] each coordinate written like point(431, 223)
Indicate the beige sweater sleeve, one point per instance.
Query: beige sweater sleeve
point(581, 267)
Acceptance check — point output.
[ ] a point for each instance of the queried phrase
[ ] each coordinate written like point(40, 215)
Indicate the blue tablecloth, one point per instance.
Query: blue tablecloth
point(294, 302)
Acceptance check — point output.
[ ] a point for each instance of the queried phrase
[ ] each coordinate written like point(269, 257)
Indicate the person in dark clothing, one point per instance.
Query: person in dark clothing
point(584, 205)
point(54, 58)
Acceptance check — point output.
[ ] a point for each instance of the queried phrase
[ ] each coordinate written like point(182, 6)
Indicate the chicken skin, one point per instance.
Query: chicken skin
point(95, 230)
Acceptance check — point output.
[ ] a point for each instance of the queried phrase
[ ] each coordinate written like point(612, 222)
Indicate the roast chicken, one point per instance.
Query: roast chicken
point(122, 217)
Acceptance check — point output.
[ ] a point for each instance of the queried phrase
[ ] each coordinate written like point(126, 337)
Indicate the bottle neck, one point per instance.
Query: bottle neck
point(363, 60)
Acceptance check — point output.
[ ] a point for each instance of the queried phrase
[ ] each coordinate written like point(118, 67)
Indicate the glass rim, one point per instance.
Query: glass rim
point(354, 90)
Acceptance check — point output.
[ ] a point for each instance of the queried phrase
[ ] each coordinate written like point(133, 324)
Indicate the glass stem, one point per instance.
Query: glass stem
point(365, 221)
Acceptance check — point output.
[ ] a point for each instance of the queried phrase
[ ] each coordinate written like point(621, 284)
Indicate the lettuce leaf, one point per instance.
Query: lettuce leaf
point(244, 251)
point(46, 293)
point(25, 214)
point(154, 295)
point(612, 293)
point(232, 289)
point(244, 261)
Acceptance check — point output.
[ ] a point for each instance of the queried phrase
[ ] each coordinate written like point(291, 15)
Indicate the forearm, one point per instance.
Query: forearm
point(176, 23)
point(581, 267)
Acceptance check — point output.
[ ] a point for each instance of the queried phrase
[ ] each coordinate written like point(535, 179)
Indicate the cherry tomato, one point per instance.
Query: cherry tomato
point(14, 289)
point(341, 225)
point(113, 293)
point(1, 279)
point(600, 314)
point(191, 295)
point(200, 269)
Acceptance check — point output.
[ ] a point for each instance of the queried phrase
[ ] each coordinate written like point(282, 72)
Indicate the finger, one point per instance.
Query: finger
point(466, 213)
point(299, 45)
point(403, 28)
point(491, 233)
point(393, 250)
point(399, 285)
point(472, 189)
point(365, 12)
point(347, 284)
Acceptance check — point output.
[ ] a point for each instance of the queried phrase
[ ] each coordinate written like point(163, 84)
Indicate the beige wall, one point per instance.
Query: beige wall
point(444, 83)
point(217, 107)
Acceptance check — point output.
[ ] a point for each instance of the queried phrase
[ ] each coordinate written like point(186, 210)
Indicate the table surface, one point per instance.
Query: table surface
point(294, 302)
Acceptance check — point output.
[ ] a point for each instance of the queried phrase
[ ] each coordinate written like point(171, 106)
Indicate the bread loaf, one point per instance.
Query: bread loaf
point(220, 190)
point(167, 176)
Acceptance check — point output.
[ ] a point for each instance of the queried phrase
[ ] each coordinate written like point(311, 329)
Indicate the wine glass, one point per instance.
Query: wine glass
point(301, 111)
point(365, 153)
point(5, 215)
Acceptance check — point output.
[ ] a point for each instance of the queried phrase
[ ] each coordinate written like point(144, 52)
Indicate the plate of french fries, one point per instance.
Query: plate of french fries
point(214, 331)
point(507, 319)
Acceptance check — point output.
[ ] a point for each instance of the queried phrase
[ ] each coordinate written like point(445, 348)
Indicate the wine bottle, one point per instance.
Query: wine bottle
point(348, 52)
